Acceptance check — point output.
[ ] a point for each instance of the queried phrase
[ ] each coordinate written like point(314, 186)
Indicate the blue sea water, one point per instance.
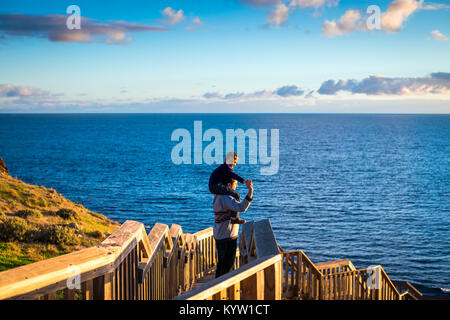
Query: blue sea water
point(371, 188)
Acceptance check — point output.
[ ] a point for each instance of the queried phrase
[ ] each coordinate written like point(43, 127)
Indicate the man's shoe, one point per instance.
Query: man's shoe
point(238, 221)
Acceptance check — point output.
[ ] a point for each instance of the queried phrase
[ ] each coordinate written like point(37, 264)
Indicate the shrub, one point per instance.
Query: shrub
point(67, 214)
point(2, 216)
point(96, 234)
point(14, 229)
point(28, 213)
point(58, 235)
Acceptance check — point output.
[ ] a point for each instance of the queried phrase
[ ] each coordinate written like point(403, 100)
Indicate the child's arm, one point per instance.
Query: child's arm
point(235, 176)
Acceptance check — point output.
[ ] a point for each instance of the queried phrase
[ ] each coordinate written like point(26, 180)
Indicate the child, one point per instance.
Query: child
point(222, 172)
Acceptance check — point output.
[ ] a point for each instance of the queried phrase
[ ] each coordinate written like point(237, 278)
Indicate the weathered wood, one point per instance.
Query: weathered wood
point(204, 233)
point(234, 292)
point(50, 296)
point(272, 282)
point(231, 278)
point(69, 294)
point(49, 275)
point(335, 266)
point(87, 289)
point(133, 265)
point(264, 238)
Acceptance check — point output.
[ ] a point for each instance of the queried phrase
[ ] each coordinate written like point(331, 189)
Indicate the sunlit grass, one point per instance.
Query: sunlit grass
point(36, 212)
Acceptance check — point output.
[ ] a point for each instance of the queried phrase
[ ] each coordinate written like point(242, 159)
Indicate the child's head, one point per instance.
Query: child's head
point(231, 159)
point(231, 183)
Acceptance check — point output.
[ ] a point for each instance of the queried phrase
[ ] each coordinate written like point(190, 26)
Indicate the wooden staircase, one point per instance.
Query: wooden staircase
point(169, 264)
point(300, 278)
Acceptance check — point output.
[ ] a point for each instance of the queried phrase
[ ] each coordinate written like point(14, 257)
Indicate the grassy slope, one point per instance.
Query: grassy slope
point(16, 195)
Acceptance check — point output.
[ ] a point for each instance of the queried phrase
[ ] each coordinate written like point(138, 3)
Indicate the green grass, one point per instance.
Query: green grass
point(34, 224)
point(15, 255)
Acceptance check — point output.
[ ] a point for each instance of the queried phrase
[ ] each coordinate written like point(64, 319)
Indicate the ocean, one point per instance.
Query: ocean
point(374, 189)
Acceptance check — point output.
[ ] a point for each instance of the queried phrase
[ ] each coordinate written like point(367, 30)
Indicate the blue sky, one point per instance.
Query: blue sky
point(225, 56)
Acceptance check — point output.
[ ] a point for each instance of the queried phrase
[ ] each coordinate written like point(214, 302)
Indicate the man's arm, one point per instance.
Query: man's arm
point(229, 203)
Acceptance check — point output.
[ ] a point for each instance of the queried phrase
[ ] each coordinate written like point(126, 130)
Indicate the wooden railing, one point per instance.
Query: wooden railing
point(301, 278)
point(257, 280)
point(407, 290)
point(364, 284)
point(334, 280)
point(128, 265)
point(335, 266)
point(166, 263)
point(206, 256)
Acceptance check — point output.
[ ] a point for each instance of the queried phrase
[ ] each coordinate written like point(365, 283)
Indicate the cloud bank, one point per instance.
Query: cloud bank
point(436, 83)
point(11, 91)
point(16, 97)
point(283, 92)
point(53, 28)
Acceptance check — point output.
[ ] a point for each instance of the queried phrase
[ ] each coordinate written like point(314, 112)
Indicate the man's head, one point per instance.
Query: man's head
point(231, 159)
point(231, 183)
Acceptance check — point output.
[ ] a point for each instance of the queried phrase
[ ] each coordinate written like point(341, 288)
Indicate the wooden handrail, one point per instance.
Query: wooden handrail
point(352, 285)
point(157, 238)
point(305, 257)
point(335, 265)
point(404, 287)
point(301, 278)
point(130, 264)
point(32, 279)
point(235, 277)
point(204, 233)
point(392, 286)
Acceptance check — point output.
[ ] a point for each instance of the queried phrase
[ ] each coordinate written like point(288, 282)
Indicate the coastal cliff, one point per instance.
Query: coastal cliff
point(37, 223)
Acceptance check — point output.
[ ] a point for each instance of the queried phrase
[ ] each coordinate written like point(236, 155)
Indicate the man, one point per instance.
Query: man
point(225, 172)
point(226, 233)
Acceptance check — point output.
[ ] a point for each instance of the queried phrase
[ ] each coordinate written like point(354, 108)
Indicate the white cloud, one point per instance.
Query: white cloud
point(173, 17)
point(348, 23)
point(397, 13)
point(279, 15)
point(434, 6)
point(314, 3)
point(260, 3)
point(197, 20)
point(392, 20)
point(438, 35)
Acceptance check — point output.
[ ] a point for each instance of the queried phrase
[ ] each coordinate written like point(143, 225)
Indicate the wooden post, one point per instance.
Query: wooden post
point(234, 292)
point(69, 294)
point(269, 283)
point(103, 287)
point(87, 289)
point(253, 287)
point(286, 275)
point(98, 284)
point(108, 286)
point(50, 296)
point(272, 282)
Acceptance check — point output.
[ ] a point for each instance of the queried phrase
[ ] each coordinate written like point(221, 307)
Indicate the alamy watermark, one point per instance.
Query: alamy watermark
point(74, 19)
point(373, 20)
point(74, 281)
point(213, 152)
point(374, 277)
